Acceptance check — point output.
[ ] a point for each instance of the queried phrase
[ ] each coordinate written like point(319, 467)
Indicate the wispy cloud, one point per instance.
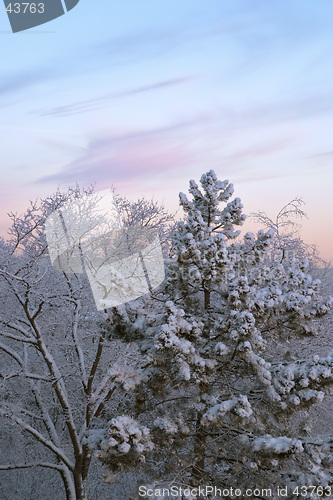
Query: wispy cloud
point(101, 102)
point(258, 178)
point(326, 154)
point(144, 45)
point(24, 80)
point(271, 112)
point(254, 152)
point(134, 157)
point(192, 34)
point(150, 155)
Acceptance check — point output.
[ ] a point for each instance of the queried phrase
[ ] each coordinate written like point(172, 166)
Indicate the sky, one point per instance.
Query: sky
point(144, 96)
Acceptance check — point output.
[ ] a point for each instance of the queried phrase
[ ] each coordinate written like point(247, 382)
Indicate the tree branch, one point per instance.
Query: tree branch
point(11, 353)
point(95, 363)
point(48, 465)
point(59, 385)
point(40, 437)
point(18, 339)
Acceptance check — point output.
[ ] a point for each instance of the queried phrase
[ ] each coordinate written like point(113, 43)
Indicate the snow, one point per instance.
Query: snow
point(278, 445)
point(239, 406)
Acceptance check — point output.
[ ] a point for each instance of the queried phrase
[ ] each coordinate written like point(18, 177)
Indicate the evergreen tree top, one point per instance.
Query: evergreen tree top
point(204, 212)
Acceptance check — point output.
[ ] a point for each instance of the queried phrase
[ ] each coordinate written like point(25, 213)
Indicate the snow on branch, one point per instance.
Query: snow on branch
point(47, 465)
point(240, 406)
point(39, 436)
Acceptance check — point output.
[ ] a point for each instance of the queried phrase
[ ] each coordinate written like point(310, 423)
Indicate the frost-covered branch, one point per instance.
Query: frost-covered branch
point(18, 339)
point(59, 384)
point(39, 436)
point(77, 344)
point(47, 465)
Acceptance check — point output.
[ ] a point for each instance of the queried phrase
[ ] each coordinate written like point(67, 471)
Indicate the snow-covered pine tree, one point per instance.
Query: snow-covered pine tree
point(213, 402)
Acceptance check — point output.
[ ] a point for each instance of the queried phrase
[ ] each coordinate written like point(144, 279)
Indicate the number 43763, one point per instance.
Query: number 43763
point(25, 7)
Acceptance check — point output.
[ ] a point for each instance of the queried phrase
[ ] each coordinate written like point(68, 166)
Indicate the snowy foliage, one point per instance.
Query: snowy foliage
point(127, 375)
point(123, 438)
point(205, 395)
point(277, 445)
point(301, 383)
point(214, 396)
point(239, 406)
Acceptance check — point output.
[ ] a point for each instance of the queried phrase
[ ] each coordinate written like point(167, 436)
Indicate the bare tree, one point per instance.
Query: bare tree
point(148, 213)
point(287, 241)
point(55, 355)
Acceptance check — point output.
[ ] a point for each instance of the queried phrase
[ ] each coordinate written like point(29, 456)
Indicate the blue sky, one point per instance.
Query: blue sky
point(147, 95)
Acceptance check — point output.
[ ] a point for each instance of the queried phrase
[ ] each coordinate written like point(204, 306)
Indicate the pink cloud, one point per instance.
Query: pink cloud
point(135, 158)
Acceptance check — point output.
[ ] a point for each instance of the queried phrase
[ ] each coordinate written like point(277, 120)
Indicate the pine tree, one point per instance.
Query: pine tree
point(213, 402)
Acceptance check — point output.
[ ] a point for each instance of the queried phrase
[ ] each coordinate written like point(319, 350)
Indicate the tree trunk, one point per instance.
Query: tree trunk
point(207, 298)
point(198, 469)
point(80, 474)
point(80, 486)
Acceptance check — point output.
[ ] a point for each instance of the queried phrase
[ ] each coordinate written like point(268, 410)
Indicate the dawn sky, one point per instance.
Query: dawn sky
point(147, 95)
